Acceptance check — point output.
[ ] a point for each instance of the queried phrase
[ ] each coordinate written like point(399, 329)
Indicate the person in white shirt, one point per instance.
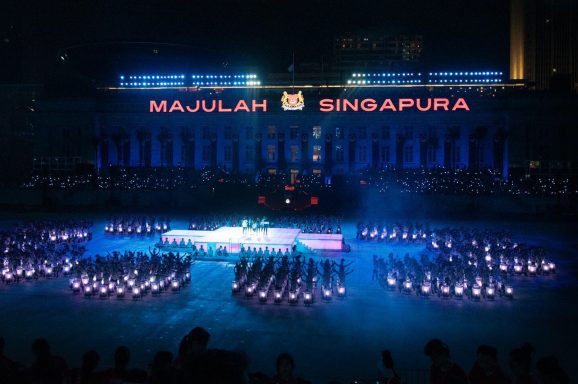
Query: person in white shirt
point(245, 225)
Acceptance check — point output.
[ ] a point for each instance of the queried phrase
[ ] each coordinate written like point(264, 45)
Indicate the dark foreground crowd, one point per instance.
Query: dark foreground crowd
point(196, 363)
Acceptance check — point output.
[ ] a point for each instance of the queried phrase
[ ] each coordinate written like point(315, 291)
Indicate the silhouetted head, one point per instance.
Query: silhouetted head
point(437, 351)
point(121, 357)
point(550, 372)
point(521, 359)
point(487, 358)
point(386, 359)
point(199, 339)
point(40, 348)
point(90, 361)
point(285, 365)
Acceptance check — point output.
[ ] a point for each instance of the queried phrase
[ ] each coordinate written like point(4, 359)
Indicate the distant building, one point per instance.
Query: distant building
point(544, 43)
point(368, 53)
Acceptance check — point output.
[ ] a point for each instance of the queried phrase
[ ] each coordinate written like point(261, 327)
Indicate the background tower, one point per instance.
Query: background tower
point(517, 39)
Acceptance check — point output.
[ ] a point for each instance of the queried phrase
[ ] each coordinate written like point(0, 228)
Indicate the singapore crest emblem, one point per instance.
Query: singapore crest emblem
point(292, 101)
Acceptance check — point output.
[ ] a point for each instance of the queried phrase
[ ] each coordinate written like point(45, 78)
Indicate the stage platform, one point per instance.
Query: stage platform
point(232, 239)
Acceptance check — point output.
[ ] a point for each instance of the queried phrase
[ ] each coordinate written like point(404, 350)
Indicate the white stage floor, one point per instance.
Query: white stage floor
point(233, 238)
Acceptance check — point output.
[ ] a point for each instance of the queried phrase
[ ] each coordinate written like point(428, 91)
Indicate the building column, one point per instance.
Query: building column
point(328, 154)
point(351, 152)
point(281, 162)
point(235, 153)
point(305, 155)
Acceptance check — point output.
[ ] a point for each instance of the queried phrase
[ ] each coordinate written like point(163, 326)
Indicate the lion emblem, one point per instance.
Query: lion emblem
point(292, 101)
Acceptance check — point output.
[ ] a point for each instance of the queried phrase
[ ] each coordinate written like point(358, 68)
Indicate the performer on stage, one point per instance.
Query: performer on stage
point(264, 225)
point(245, 225)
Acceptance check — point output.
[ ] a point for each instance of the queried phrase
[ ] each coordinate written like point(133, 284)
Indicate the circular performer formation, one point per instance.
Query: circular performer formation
point(456, 263)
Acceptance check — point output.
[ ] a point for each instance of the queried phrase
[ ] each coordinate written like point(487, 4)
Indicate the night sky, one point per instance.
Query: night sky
point(249, 34)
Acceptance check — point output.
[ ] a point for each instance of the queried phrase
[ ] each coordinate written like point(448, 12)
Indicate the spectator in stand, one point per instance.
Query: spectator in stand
point(120, 372)
point(486, 369)
point(521, 364)
point(46, 369)
point(443, 370)
point(9, 370)
point(161, 371)
point(191, 347)
point(550, 372)
point(387, 374)
point(86, 374)
point(192, 344)
point(285, 366)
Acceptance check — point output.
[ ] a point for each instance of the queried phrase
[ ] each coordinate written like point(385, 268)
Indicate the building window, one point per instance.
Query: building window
point(362, 153)
point(385, 154)
point(431, 154)
point(249, 133)
point(249, 153)
point(317, 132)
point(228, 133)
point(228, 153)
point(271, 132)
point(293, 132)
point(294, 152)
point(271, 153)
point(408, 154)
point(338, 133)
point(206, 153)
point(362, 131)
point(408, 133)
point(317, 153)
point(206, 133)
point(385, 132)
point(339, 152)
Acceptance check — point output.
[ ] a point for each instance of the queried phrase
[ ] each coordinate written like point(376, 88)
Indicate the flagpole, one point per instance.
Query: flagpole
point(293, 71)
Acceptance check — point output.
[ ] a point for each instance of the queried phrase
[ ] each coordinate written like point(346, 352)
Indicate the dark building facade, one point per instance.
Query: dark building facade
point(337, 130)
point(442, 119)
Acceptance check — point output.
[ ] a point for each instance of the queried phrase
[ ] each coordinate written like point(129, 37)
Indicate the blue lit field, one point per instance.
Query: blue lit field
point(340, 339)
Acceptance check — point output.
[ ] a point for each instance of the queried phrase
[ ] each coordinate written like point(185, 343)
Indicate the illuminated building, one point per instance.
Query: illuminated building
point(376, 120)
point(252, 124)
